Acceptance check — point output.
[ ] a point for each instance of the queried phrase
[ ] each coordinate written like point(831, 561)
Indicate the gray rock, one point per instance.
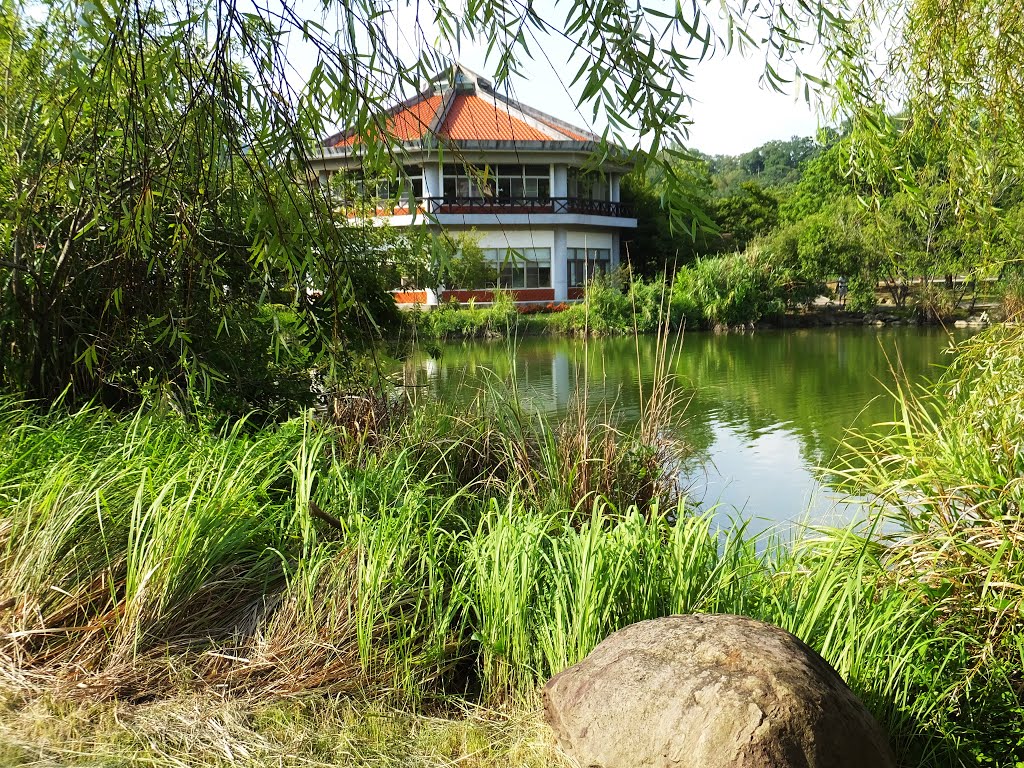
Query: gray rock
point(710, 691)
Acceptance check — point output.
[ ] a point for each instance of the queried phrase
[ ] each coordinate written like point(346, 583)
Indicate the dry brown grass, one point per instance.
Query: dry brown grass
point(284, 643)
point(207, 731)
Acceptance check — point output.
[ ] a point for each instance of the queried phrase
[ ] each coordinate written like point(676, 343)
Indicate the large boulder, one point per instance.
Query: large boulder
point(710, 691)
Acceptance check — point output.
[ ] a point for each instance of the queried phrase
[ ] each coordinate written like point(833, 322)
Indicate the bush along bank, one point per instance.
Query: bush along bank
point(739, 291)
point(465, 557)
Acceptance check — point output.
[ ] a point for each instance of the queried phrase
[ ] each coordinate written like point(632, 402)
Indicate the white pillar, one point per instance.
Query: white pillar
point(615, 255)
point(432, 182)
point(613, 183)
point(559, 270)
point(559, 185)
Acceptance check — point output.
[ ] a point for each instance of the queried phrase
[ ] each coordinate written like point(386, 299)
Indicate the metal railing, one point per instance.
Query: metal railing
point(582, 205)
point(450, 204)
point(597, 207)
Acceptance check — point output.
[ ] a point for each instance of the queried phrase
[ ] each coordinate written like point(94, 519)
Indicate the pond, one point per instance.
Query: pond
point(762, 412)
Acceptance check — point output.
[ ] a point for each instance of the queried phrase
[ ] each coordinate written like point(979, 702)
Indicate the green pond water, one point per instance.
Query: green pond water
point(762, 410)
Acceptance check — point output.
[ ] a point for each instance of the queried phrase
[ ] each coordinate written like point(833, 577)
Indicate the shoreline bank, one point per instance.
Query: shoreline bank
point(453, 324)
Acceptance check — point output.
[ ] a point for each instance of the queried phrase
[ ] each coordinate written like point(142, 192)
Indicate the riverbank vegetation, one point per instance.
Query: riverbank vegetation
point(716, 292)
point(458, 559)
point(193, 572)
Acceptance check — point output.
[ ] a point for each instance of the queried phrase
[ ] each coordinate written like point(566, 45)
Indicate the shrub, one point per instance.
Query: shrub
point(730, 290)
point(861, 296)
point(933, 303)
point(616, 304)
point(449, 319)
point(1012, 295)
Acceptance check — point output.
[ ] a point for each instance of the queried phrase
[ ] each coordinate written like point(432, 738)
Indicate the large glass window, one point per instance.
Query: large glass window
point(503, 182)
point(413, 181)
point(521, 267)
point(587, 186)
point(352, 188)
point(584, 263)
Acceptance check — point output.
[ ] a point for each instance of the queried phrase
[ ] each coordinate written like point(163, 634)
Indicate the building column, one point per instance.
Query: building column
point(559, 185)
point(613, 187)
point(432, 183)
point(559, 265)
point(615, 255)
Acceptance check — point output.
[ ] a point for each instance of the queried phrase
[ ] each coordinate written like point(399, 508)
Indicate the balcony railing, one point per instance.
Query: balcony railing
point(596, 207)
point(525, 205)
point(450, 204)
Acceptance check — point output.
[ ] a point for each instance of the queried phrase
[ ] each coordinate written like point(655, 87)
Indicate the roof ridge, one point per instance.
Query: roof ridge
point(447, 100)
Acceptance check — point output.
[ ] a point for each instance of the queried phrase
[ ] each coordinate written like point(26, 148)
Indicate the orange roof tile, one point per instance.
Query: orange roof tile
point(470, 118)
point(406, 124)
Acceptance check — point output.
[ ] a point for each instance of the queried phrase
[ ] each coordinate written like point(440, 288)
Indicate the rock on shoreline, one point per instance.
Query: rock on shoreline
point(710, 691)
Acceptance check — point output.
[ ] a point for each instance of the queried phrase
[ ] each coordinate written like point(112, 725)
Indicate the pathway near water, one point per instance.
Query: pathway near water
point(762, 409)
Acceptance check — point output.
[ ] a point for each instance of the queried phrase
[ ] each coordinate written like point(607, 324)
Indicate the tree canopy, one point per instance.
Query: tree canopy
point(155, 198)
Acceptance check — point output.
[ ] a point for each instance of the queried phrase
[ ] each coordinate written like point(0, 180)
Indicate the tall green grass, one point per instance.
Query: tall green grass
point(472, 555)
point(948, 475)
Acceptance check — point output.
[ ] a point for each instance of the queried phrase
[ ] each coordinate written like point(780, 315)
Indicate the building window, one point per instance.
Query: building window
point(521, 267)
point(584, 185)
point(413, 182)
point(503, 182)
point(354, 188)
point(584, 263)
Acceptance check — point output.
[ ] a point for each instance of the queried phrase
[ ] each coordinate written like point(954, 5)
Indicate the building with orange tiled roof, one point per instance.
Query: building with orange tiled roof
point(524, 182)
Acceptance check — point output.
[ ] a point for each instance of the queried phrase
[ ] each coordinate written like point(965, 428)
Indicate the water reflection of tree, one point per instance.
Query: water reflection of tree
point(817, 382)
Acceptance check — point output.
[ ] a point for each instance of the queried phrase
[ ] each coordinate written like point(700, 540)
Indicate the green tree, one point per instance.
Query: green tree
point(741, 217)
point(464, 264)
point(655, 247)
point(149, 216)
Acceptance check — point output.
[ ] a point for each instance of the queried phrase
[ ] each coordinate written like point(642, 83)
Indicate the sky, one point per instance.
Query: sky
point(731, 111)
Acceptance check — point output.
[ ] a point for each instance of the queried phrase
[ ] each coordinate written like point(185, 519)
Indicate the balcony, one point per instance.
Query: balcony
point(499, 205)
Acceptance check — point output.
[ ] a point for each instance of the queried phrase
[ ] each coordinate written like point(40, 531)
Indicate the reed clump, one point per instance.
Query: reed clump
point(948, 475)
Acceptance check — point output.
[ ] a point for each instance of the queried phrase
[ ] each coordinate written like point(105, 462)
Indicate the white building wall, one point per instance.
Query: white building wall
point(590, 240)
point(512, 238)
